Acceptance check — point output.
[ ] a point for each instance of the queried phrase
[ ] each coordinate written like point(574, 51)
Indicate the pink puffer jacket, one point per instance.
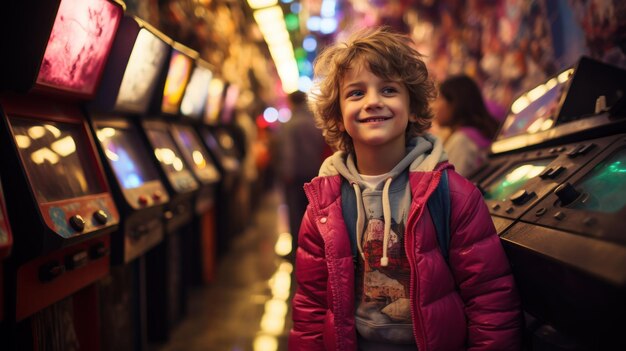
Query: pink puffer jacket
point(470, 304)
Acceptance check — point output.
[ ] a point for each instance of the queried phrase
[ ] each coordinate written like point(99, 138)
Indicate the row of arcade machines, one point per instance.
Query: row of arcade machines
point(111, 178)
point(555, 186)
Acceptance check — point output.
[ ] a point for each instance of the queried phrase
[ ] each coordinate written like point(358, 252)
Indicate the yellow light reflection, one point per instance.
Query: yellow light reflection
point(165, 155)
point(283, 244)
point(280, 285)
point(198, 159)
point(257, 4)
point(286, 267)
point(36, 132)
point(105, 133)
point(44, 154)
point(520, 104)
point(547, 124)
point(54, 130)
point(276, 309)
point(65, 146)
point(268, 16)
point(111, 155)
point(537, 92)
point(178, 164)
point(272, 324)
point(551, 83)
point(23, 142)
point(565, 75)
point(265, 343)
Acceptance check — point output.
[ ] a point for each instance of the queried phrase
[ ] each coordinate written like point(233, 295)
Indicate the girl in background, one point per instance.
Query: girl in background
point(460, 108)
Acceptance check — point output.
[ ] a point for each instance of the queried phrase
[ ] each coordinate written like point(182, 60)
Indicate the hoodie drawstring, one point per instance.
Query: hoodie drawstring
point(359, 218)
point(384, 261)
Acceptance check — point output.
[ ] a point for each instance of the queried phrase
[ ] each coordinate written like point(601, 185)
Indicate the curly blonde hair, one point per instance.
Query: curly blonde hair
point(390, 56)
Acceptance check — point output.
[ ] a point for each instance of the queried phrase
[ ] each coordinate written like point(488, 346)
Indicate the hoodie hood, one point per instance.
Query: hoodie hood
point(423, 154)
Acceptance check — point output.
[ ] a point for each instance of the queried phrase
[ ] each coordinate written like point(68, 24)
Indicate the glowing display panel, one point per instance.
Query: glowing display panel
point(214, 101)
point(166, 151)
point(144, 64)
point(604, 187)
point(195, 154)
point(176, 81)
point(196, 93)
point(230, 100)
point(127, 155)
point(79, 44)
point(510, 182)
point(540, 114)
point(54, 155)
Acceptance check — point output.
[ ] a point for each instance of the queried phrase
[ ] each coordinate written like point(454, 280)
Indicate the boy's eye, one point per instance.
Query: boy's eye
point(355, 93)
point(389, 90)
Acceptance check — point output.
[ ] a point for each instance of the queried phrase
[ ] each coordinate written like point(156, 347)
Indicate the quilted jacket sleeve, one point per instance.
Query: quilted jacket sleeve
point(309, 303)
point(482, 273)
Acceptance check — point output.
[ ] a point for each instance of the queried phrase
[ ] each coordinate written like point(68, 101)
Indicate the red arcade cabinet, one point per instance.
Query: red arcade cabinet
point(57, 197)
point(202, 245)
point(138, 56)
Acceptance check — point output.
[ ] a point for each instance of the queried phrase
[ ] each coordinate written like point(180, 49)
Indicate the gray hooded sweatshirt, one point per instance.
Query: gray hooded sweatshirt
point(383, 314)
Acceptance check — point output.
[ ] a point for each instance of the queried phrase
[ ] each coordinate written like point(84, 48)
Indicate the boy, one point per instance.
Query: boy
point(398, 292)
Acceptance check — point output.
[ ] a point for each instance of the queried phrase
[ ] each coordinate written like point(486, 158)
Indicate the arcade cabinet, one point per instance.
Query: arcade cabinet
point(554, 186)
point(138, 55)
point(168, 307)
point(202, 244)
point(58, 199)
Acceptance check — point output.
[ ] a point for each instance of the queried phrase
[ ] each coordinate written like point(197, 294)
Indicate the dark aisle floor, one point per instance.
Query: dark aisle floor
point(248, 307)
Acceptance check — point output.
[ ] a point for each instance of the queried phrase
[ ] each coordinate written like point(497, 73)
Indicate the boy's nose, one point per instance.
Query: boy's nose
point(373, 101)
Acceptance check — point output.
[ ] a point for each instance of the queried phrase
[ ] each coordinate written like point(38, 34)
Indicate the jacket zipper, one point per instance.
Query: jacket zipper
point(417, 332)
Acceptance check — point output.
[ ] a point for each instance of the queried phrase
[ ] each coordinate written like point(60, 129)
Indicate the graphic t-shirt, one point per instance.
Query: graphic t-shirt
point(383, 308)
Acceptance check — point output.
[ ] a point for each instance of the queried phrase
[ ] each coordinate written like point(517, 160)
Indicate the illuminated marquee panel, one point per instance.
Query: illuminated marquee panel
point(197, 91)
point(138, 56)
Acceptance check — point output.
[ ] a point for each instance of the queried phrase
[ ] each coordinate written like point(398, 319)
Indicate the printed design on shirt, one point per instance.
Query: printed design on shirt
point(386, 289)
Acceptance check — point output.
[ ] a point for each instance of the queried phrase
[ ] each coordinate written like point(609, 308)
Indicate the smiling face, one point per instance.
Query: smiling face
point(375, 111)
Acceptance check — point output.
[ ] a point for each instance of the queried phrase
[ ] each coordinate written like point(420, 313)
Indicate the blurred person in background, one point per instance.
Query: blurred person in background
point(460, 108)
point(301, 148)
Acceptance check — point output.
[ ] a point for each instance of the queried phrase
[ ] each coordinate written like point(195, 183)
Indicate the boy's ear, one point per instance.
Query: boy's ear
point(341, 127)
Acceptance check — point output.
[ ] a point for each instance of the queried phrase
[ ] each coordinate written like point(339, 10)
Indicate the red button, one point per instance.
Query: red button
point(143, 200)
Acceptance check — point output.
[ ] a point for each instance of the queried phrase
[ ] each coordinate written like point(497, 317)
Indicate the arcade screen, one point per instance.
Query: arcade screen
point(230, 100)
point(127, 155)
point(196, 93)
point(166, 151)
point(513, 179)
point(604, 187)
point(195, 154)
point(56, 159)
point(214, 101)
point(79, 44)
point(144, 65)
point(176, 81)
point(541, 108)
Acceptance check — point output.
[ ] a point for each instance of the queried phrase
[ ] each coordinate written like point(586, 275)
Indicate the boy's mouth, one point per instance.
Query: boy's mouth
point(374, 119)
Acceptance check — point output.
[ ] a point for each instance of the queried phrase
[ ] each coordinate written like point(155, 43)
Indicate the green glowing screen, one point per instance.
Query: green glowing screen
point(509, 182)
point(604, 187)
